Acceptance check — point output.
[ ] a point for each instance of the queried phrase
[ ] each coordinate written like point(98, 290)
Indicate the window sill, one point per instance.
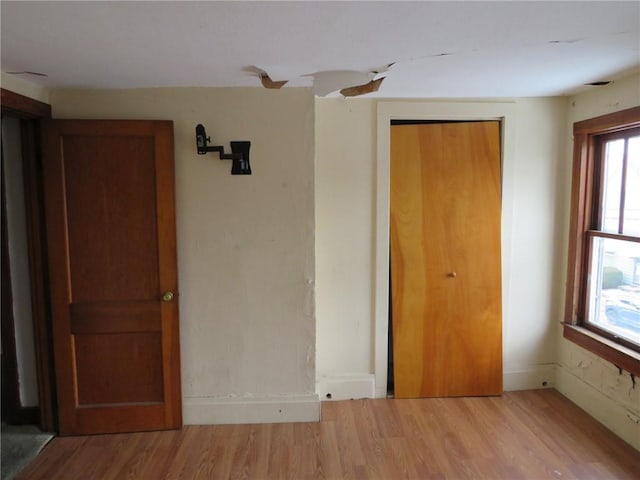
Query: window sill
point(621, 357)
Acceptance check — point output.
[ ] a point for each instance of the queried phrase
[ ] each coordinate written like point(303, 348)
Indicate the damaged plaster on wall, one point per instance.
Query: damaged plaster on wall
point(583, 373)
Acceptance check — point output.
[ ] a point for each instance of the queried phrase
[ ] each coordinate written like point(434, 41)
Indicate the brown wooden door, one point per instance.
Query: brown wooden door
point(109, 197)
point(445, 259)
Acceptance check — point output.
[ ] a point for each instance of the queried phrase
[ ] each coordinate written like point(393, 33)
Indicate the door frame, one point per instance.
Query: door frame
point(30, 112)
point(505, 112)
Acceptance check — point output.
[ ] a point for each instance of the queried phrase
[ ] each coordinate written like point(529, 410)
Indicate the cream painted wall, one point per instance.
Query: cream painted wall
point(346, 231)
point(538, 191)
point(345, 213)
point(245, 245)
point(594, 384)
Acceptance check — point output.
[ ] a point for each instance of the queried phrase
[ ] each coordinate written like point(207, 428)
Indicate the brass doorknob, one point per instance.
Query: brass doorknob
point(167, 296)
point(452, 274)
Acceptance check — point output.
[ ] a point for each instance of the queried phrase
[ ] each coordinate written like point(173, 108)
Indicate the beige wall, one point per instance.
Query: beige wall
point(594, 384)
point(345, 214)
point(245, 245)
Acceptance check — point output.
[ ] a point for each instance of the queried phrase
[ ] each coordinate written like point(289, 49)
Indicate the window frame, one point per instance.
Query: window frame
point(586, 185)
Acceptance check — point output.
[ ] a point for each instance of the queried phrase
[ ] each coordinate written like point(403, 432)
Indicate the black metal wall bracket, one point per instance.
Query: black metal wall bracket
point(239, 151)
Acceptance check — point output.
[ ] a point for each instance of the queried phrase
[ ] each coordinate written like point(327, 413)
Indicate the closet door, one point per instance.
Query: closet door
point(445, 259)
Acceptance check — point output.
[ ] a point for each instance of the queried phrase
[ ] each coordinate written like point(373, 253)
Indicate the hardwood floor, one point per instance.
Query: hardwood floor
point(534, 434)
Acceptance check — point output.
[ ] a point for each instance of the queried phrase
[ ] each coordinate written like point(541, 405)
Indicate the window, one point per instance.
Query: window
point(603, 283)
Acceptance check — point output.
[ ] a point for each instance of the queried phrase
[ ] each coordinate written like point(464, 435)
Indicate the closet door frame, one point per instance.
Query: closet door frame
point(505, 112)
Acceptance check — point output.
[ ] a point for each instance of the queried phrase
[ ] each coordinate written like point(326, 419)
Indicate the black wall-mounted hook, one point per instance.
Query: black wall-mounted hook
point(239, 151)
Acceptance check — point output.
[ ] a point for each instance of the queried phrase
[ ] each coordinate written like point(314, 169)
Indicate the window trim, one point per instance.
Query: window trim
point(585, 143)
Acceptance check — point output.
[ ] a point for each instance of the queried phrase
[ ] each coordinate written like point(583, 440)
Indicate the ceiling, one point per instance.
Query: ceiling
point(437, 49)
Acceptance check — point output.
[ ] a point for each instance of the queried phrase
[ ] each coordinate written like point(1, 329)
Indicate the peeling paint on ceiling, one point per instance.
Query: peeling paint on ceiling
point(442, 49)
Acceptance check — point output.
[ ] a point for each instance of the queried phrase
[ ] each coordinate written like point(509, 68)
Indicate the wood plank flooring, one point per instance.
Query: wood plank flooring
point(535, 434)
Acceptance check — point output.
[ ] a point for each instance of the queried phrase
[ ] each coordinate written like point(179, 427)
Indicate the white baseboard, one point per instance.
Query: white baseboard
point(529, 377)
point(346, 387)
point(219, 411)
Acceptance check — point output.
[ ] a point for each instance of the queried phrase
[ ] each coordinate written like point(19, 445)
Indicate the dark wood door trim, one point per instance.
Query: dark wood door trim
point(19, 106)
point(30, 111)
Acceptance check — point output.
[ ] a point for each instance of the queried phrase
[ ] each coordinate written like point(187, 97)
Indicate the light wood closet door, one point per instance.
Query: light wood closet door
point(445, 259)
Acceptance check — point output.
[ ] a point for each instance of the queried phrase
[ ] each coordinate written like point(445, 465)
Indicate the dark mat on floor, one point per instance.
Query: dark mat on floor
point(20, 445)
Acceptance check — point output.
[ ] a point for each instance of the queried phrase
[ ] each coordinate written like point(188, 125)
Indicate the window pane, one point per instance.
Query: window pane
point(632, 189)
point(614, 153)
point(614, 296)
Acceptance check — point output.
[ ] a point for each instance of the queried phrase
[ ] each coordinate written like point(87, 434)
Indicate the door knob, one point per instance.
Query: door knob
point(167, 296)
point(452, 274)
